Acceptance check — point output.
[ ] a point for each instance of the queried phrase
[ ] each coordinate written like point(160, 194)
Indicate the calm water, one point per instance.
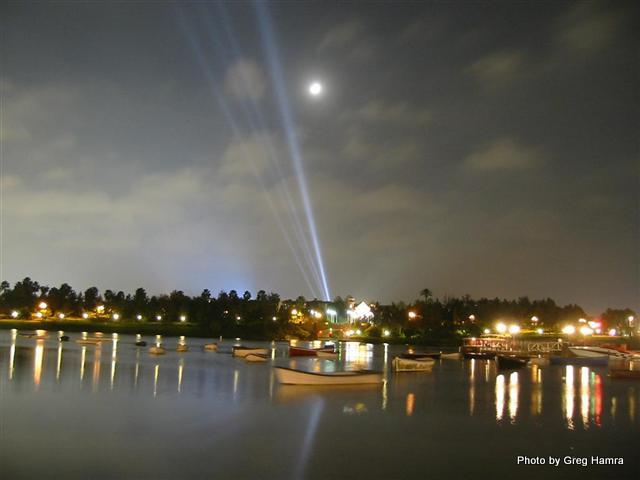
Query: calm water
point(113, 411)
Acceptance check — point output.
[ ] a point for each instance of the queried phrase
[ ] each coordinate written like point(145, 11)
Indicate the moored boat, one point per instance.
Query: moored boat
point(451, 356)
point(423, 364)
point(241, 351)
point(291, 376)
point(210, 347)
point(255, 358)
point(326, 353)
point(598, 352)
point(302, 352)
point(511, 361)
point(157, 350)
point(182, 348)
point(602, 360)
point(625, 374)
point(417, 356)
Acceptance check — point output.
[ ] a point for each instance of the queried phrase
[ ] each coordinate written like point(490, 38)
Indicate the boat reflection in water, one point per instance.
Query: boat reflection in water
point(43, 362)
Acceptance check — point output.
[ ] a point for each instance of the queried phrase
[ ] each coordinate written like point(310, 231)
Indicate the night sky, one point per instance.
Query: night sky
point(483, 148)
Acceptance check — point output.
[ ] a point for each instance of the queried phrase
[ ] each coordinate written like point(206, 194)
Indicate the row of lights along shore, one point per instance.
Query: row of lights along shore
point(99, 310)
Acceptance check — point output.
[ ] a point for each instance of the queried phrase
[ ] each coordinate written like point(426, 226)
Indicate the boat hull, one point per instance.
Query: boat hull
point(418, 356)
point(255, 358)
point(244, 351)
point(413, 365)
point(509, 362)
point(289, 376)
point(625, 374)
point(602, 360)
point(302, 352)
point(598, 352)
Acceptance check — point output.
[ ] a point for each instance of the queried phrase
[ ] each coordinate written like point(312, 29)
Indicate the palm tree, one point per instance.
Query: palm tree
point(426, 293)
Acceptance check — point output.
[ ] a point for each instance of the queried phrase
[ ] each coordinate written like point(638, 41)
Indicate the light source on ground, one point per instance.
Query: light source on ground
point(85, 315)
point(513, 329)
point(61, 316)
point(116, 316)
point(14, 314)
point(569, 330)
point(501, 327)
point(42, 305)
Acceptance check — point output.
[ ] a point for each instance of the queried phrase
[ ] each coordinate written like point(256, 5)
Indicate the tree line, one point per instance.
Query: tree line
point(266, 315)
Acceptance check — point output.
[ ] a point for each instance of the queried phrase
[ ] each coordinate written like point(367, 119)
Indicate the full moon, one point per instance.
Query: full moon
point(315, 89)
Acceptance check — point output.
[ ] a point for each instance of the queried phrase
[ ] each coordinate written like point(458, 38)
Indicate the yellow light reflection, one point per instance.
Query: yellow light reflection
point(156, 372)
point(472, 372)
point(411, 398)
point(632, 405)
point(83, 355)
point(614, 407)
point(97, 353)
point(59, 362)
point(500, 394)
point(180, 370)
point(114, 355)
point(385, 394)
point(584, 396)
point(536, 390)
point(514, 391)
point(38, 357)
point(12, 355)
point(568, 395)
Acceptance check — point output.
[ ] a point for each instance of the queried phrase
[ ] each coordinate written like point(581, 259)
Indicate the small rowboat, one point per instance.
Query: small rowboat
point(255, 357)
point(413, 364)
point(244, 351)
point(302, 352)
point(451, 356)
point(602, 360)
point(418, 356)
point(291, 376)
point(598, 352)
point(182, 348)
point(141, 343)
point(327, 353)
point(210, 347)
point(626, 374)
point(312, 352)
point(157, 351)
point(511, 361)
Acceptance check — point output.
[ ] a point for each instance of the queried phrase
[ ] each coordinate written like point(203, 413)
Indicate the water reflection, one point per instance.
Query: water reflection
point(410, 403)
point(574, 392)
point(568, 396)
point(500, 394)
point(38, 358)
point(514, 392)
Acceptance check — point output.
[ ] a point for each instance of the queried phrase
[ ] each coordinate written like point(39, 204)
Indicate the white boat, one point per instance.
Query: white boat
point(291, 376)
point(211, 347)
point(451, 356)
point(598, 352)
point(157, 351)
point(182, 348)
point(244, 351)
point(413, 364)
point(256, 358)
point(326, 354)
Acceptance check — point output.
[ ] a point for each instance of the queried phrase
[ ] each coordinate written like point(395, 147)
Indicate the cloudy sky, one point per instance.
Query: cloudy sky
point(481, 148)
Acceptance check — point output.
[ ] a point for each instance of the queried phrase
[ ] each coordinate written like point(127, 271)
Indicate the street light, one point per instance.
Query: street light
point(501, 327)
point(116, 316)
point(42, 305)
point(14, 314)
point(534, 319)
point(183, 318)
point(412, 315)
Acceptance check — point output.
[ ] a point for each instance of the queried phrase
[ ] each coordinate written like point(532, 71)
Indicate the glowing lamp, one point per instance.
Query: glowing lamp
point(501, 328)
point(513, 329)
point(14, 314)
point(569, 330)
